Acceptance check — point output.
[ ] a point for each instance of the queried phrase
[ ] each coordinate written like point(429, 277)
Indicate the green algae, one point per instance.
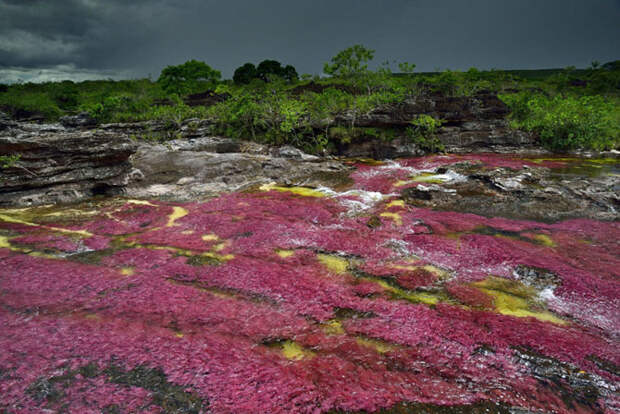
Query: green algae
point(513, 298)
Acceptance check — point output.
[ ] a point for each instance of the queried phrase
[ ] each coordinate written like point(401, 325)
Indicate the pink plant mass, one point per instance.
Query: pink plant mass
point(276, 301)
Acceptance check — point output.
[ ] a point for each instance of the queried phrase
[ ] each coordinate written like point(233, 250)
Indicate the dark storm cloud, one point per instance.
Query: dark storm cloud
point(141, 37)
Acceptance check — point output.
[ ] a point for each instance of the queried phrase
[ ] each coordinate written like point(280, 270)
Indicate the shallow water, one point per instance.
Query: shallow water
point(309, 300)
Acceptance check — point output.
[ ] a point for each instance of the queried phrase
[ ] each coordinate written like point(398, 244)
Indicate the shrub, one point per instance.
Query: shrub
point(8, 161)
point(567, 122)
point(423, 132)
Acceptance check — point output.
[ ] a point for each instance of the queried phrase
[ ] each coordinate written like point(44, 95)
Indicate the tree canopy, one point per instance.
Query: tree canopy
point(350, 62)
point(264, 71)
point(188, 77)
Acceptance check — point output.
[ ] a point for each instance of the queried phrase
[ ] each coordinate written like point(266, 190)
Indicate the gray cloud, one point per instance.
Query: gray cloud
point(143, 36)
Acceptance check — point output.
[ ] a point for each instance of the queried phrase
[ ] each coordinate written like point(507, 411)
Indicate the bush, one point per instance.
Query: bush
point(423, 132)
point(567, 122)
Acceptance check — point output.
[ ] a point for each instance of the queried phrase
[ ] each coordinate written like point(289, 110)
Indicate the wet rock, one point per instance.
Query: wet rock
point(6, 121)
point(538, 193)
point(417, 194)
point(182, 170)
point(81, 120)
point(536, 277)
point(577, 388)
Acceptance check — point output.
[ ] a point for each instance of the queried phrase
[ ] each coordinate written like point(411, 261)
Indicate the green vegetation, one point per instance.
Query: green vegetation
point(423, 131)
point(566, 121)
point(190, 77)
point(8, 161)
point(566, 108)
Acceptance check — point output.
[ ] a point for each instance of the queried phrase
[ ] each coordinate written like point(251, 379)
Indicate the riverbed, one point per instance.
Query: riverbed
point(471, 283)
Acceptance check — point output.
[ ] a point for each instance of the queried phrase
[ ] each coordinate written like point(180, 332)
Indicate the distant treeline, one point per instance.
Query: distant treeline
point(270, 102)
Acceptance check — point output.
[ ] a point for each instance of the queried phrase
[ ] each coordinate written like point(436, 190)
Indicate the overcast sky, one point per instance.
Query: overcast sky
point(80, 39)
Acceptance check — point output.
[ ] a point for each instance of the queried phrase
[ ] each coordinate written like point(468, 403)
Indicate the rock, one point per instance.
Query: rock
point(533, 193)
point(288, 151)
point(59, 166)
point(187, 172)
point(470, 123)
point(6, 122)
point(81, 120)
point(206, 144)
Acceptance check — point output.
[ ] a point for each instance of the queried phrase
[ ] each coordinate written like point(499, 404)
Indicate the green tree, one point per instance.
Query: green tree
point(290, 73)
point(269, 67)
point(244, 74)
point(188, 77)
point(406, 67)
point(352, 61)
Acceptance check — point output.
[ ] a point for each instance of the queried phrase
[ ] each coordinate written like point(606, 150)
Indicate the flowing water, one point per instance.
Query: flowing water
point(291, 300)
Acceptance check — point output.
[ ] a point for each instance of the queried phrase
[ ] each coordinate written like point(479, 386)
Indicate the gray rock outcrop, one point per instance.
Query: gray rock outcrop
point(56, 165)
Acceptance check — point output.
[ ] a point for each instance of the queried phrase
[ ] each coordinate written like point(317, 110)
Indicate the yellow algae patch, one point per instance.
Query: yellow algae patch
point(210, 237)
point(427, 178)
point(127, 271)
point(302, 191)
point(142, 203)
point(72, 212)
point(9, 219)
point(177, 213)
point(333, 327)
point(187, 232)
point(398, 220)
point(292, 350)
point(381, 347)
point(516, 299)
point(179, 334)
point(182, 252)
point(334, 264)
point(221, 246)
point(400, 183)
point(396, 203)
point(4, 242)
point(544, 240)
point(285, 253)
point(427, 298)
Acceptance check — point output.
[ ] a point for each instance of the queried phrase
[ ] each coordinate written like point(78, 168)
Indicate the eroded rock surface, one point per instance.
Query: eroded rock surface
point(190, 169)
point(56, 165)
point(538, 189)
point(469, 123)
